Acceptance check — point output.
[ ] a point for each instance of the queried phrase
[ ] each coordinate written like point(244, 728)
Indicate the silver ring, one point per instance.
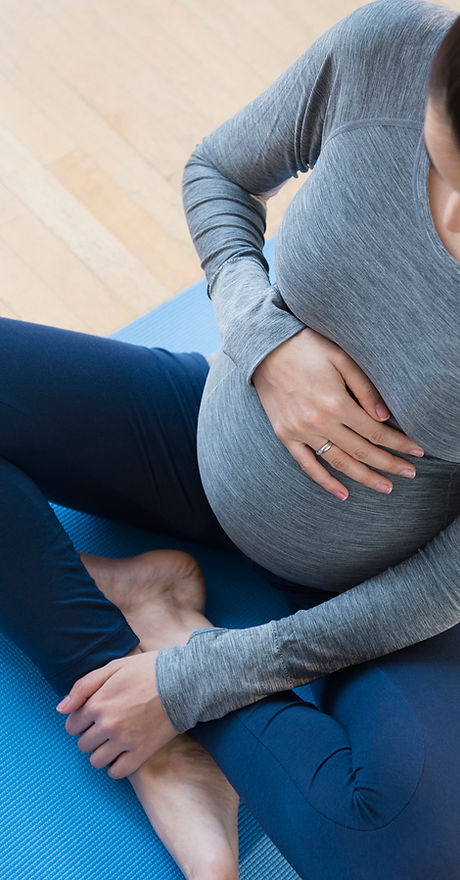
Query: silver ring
point(324, 448)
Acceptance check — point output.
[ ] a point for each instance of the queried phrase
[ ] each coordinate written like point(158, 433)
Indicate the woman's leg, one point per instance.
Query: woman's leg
point(364, 779)
point(102, 426)
point(187, 798)
point(109, 428)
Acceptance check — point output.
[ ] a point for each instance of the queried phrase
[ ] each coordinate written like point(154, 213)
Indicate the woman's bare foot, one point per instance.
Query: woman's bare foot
point(192, 807)
point(190, 803)
point(161, 593)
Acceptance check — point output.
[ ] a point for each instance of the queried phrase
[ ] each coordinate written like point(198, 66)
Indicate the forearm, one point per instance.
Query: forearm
point(251, 314)
point(227, 226)
point(225, 221)
point(226, 183)
point(220, 670)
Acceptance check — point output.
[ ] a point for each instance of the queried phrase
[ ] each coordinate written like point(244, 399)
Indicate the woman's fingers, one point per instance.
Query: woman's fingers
point(361, 416)
point(104, 755)
point(348, 465)
point(342, 462)
point(81, 716)
point(126, 764)
point(353, 451)
point(352, 417)
point(119, 764)
point(127, 711)
point(79, 721)
point(311, 465)
point(93, 739)
point(313, 391)
point(364, 453)
point(360, 385)
point(85, 687)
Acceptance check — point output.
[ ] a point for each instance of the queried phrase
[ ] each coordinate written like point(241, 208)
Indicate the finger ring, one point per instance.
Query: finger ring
point(324, 448)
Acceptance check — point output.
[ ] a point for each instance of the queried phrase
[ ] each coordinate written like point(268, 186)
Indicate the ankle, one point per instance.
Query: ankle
point(173, 635)
point(192, 621)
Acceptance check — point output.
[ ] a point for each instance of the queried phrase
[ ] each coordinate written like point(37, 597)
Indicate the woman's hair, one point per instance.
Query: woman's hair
point(444, 87)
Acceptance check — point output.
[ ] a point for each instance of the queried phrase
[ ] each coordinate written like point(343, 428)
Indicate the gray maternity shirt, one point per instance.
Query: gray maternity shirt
point(359, 260)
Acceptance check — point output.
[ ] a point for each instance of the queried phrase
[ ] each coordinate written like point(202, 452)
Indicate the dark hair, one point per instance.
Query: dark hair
point(445, 77)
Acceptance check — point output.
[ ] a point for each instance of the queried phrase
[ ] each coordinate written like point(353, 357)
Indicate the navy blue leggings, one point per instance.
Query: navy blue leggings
point(356, 776)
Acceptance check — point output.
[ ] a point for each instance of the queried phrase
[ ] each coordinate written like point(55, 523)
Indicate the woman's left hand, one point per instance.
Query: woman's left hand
point(118, 710)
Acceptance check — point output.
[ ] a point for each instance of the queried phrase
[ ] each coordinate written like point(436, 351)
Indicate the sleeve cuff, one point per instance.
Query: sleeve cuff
point(217, 671)
point(251, 314)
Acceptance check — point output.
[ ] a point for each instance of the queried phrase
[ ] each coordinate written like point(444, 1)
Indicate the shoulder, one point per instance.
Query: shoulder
point(381, 55)
point(385, 27)
point(377, 23)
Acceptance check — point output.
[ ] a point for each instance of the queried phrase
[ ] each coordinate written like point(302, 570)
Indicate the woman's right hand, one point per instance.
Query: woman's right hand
point(304, 386)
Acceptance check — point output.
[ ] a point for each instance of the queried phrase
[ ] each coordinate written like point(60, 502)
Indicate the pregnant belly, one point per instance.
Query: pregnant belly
point(282, 519)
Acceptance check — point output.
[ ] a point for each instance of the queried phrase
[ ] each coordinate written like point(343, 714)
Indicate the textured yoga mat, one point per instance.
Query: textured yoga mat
point(60, 818)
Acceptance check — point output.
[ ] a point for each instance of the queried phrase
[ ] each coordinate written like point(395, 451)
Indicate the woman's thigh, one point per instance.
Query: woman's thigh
point(361, 777)
point(106, 427)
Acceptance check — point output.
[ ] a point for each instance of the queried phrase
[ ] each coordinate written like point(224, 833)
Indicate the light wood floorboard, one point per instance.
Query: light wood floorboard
point(102, 103)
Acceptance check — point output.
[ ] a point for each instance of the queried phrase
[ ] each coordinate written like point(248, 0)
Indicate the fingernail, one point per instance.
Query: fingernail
point(63, 703)
point(416, 451)
point(382, 411)
point(407, 472)
point(341, 495)
point(384, 487)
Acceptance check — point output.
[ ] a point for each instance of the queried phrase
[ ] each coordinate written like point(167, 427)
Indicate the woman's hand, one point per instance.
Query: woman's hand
point(119, 712)
point(301, 385)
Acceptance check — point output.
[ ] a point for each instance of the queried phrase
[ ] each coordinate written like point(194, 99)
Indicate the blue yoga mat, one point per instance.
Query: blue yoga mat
point(59, 817)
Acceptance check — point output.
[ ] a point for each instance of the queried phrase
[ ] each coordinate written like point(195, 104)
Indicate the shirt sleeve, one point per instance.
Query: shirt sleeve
point(226, 183)
point(220, 670)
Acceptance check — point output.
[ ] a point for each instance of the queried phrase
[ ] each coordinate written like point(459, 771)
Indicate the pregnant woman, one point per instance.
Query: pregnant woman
point(284, 449)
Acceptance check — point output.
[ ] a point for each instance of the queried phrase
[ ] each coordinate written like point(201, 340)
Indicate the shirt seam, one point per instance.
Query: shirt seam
point(368, 123)
point(279, 654)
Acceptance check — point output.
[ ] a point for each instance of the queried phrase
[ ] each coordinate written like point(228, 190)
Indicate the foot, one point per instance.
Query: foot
point(192, 807)
point(188, 800)
point(161, 593)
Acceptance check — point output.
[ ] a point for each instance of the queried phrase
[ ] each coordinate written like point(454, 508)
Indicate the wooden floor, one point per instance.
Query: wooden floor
point(102, 102)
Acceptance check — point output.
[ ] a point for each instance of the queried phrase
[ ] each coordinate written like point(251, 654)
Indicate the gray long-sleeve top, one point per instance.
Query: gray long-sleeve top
point(359, 260)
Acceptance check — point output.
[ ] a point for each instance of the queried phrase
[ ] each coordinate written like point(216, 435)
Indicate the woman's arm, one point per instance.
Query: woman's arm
point(236, 167)
point(225, 185)
point(220, 670)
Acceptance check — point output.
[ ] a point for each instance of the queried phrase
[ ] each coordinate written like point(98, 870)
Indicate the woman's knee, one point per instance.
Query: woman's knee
point(334, 810)
point(356, 765)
